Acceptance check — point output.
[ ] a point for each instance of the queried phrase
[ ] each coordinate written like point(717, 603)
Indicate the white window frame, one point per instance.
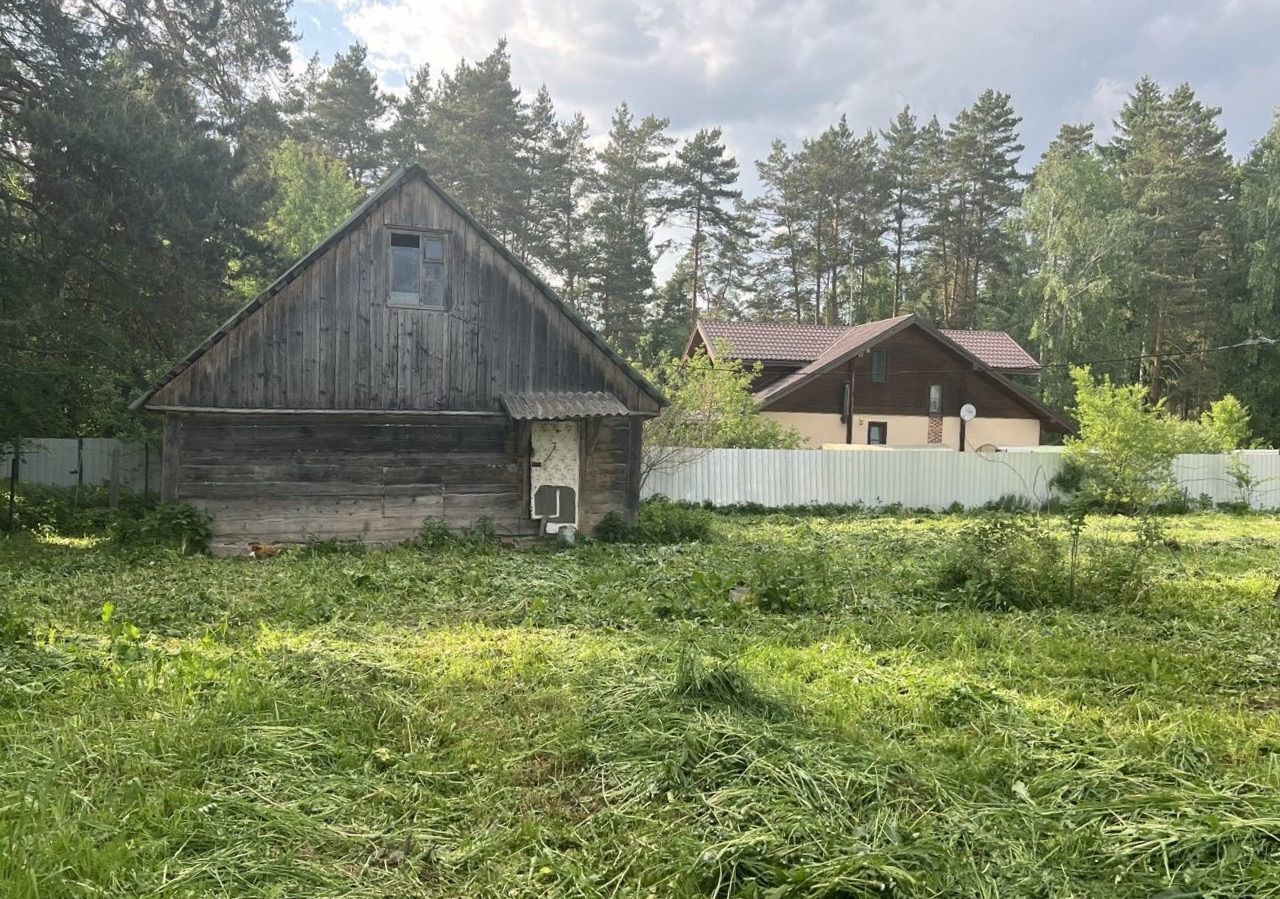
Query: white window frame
point(423, 235)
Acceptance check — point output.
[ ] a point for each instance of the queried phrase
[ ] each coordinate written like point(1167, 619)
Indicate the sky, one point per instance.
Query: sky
point(789, 68)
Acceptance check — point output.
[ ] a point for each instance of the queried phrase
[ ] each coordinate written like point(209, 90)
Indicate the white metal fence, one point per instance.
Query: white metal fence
point(920, 478)
point(914, 478)
point(67, 462)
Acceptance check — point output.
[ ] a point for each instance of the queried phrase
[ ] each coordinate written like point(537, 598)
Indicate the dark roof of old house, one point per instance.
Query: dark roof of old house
point(555, 406)
point(786, 342)
point(413, 170)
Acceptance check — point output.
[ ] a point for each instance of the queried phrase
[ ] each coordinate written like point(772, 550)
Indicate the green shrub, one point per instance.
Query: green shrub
point(70, 511)
point(1122, 458)
point(1005, 563)
point(1015, 562)
point(613, 528)
point(1111, 572)
point(785, 583)
point(435, 534)
point(481, 532)
point(660, 522)
point(667, 523)
point(178, 525)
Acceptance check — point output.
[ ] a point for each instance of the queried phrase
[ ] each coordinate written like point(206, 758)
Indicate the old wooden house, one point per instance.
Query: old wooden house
point(897, 382)
point(408, 367)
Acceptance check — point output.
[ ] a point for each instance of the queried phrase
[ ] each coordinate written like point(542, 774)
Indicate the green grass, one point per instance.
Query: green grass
point(627, 721)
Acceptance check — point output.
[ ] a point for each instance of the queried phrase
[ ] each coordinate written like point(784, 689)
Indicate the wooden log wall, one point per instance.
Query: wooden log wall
point(610, 479)
point(288, 479)
point(291, 478)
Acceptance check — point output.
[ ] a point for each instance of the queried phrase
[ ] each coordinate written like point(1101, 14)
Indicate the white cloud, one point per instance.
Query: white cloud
point(788, 68)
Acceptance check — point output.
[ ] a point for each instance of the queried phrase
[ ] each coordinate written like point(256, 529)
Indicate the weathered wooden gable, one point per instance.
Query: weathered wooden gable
point(330, 339)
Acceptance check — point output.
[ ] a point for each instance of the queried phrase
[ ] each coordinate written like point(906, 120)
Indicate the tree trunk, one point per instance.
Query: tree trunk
point(898, 237)
point(697, 250)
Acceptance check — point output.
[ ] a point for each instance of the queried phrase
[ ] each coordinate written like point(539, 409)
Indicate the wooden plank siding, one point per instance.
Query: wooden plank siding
point(326, 411)
point(915, 361)
point(276, 478)
point(610, 474)
point(291, 478)
point(330, 339)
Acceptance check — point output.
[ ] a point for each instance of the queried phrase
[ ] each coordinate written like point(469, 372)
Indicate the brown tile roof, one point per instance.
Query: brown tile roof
point(788, 342)
point(774, 341)
point(846, 343)
point(995, 348)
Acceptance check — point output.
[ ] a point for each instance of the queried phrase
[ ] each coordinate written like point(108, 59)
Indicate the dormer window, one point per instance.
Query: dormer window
point(419, 269)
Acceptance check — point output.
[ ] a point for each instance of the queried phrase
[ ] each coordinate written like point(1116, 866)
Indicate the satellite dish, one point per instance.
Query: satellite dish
point(968, 412)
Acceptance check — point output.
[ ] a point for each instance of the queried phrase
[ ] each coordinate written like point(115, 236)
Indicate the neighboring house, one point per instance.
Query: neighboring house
point(409, 367)
point(896, 382)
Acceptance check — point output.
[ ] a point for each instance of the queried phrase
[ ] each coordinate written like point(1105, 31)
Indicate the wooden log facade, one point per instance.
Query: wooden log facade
point(325, 409)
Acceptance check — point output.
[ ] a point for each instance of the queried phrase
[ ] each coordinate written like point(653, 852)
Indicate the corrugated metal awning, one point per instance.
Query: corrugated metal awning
point(552, 406)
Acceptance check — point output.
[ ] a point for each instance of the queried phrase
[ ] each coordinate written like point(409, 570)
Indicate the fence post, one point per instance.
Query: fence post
point(13, 483)
point(113, 488)
point(75, 496)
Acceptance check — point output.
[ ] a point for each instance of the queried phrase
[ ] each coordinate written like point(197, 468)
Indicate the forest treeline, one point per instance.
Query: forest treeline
point(159, 164)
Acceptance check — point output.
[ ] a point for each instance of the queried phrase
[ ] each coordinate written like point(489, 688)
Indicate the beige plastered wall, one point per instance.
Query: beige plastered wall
point(816, 428)
point(911, 430)
point(1002, 432)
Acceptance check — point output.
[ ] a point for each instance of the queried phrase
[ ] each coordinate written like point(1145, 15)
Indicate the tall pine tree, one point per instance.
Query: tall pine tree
point(344, 115)
point(632, 184)
point(901, 167)
point(1176, 180)
point(703, 180)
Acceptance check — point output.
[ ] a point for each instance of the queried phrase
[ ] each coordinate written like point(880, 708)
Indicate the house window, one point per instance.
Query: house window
point(879, 364)
point(878, 433)
point(935, 399)
point(418, 269)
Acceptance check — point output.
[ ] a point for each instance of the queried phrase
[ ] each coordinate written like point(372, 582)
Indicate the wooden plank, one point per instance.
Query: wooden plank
point(635, 459)
point(256, 491)
point(326, 330)
point(355, 413)
point(171, 456)
point(404, 342)
point(345, 299)
point(362, 350)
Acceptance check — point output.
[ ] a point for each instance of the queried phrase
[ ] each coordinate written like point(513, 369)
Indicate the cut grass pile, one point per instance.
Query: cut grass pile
point(794, 709)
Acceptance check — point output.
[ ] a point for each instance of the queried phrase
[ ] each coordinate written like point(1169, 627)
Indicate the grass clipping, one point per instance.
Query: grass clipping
point(638, 721)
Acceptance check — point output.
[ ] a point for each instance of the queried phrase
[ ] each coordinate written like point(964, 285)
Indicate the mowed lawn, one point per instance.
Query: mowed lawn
point(629, 721)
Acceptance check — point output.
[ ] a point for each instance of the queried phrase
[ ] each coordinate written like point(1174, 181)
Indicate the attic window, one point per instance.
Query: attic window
point(418, 269)
point(879, 365)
